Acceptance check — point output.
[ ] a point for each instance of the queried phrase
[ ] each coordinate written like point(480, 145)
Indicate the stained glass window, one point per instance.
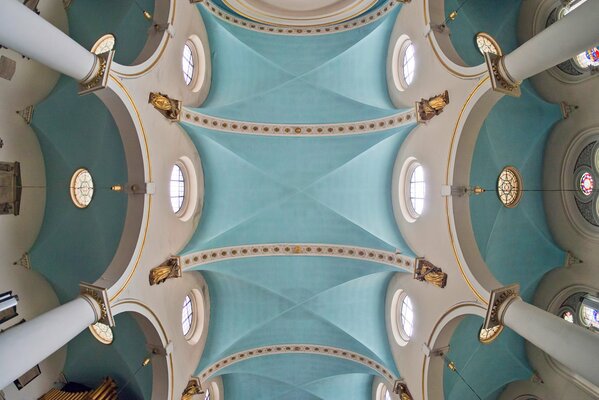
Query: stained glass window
point(486, 44)
point(589, 316)
point(82, 188)
point(102, 332)
point(509, 187)
point(187, 62)
point(177, 188)
point(417, 190)
point(187, 315)
point(104, 44)
point(568, 316)
point(407, 316)
point(409, 63)
point(586, 184)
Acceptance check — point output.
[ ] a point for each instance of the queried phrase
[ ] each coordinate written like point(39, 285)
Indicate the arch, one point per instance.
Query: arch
point(433, 366)
point(156, 338)
point(295, 348)
point(204, 257)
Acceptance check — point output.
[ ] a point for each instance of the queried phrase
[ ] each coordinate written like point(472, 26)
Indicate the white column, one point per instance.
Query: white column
point(572, 345)
point(26, 32)
point(27, 344)
point(567, 37)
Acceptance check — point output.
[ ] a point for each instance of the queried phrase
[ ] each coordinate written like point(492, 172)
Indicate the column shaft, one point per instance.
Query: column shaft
point(27, 33)
point(27, 344)
point(567, 37)
point(575, 347)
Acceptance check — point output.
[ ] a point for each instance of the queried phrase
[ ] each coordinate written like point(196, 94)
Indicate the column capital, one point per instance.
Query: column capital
point(97, 78)
point(501, 80)
point(98, 299)
point(498, 301)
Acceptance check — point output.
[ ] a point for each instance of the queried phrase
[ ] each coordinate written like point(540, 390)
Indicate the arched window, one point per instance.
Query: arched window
point(187, 315)
point(407, 317)
point(409, 63)
point(188, 62)
point(417, 190)
point(177, 188)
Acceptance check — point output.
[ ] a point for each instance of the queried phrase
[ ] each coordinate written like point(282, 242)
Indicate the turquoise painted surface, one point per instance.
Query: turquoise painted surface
point(293, 79)
point(276, 300)
point(499, 18)
point(297, 377)
point(91, 19)
point(262, 189)
point(89, 361)
point(514, 242)
point(74, 244)
point(486, 368)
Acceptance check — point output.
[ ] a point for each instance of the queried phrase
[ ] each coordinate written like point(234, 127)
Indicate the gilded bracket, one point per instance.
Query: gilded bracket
point(100, 79)
point(425, 271)
point(171, 268)
point(100, 295)
point(500, 79)
point(193, 387)
point(401, 388)
point(498, 297)
point(427, 109)
point(170, 108)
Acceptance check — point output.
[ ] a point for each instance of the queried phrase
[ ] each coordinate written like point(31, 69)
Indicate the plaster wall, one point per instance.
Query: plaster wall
point(36, 297)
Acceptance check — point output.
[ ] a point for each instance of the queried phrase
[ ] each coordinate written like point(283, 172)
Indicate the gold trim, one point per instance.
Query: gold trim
point(451, 237)
point(364, 10)
point(143, 243)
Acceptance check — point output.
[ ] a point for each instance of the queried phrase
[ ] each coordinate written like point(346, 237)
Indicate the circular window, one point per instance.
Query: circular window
point(177, 188)
point(486, 44)
point(104, 44)
point(417, 190)
point(102, 332)
point(486, 336)
point(82, 188)
point(509, 187)
point(568, 316)
point(187, 316)
point(188, 62)
point(586, 183)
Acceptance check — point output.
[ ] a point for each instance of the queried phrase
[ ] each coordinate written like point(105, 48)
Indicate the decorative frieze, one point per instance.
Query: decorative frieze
point(254, 128)
point(297, 349)
point(304, 30)
point(204, 257)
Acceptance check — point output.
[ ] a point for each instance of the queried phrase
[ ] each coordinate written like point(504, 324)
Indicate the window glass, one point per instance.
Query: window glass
point(187, 63)
point(417, 190)
point(409, 63)
point(177, 188)
point(187, 315)
point(407, 316)
point(82, 188)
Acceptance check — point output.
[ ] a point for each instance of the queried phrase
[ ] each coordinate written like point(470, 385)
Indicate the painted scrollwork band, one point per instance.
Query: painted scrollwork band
point(304, 30)
point(287, 249)
point(297, 349)
point(255, 128)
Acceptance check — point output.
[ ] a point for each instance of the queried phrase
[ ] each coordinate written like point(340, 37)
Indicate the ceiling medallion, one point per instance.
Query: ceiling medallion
point(509, 187)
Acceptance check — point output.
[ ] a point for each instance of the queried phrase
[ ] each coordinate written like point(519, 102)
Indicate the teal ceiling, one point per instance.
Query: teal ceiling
point(516, 242)
point(293, 79)
point(497, 18)
point(261, 189)
point(223, 5)
point(297, 377)
point(89, 361)
point(91, 19)
point(486, 368)
point(75, 244)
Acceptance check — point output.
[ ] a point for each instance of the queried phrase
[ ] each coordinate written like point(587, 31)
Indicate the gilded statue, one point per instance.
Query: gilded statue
point(191, 390)
point(427, 109)
point(168, 107)
point(427, 272)
point(171, 268)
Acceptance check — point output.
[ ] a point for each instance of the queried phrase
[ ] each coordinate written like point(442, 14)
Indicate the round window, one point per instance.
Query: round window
point(102, 332)
point(486, 44)
point(188, 62)
point(177, 188)
point(82, 188)
point(568, 316)
point(509, 187)
point(104, 44)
